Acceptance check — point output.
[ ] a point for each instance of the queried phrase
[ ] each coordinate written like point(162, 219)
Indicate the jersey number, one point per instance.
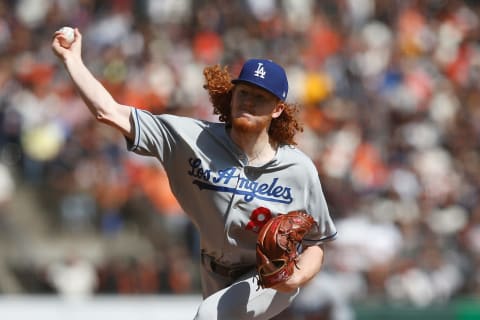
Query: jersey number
point(258, 218)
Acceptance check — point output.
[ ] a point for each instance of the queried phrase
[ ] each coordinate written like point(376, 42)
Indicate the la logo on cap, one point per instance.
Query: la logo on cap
point(254, 71)
point(260, 72)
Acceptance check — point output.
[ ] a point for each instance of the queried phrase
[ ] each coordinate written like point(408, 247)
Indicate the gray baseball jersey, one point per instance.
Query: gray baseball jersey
point(227, 199)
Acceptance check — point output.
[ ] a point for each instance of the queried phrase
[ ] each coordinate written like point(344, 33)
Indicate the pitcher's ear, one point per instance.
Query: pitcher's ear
point(278, 109)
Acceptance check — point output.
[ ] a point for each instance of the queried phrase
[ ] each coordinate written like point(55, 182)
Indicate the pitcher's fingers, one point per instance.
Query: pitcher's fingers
point(78, 35)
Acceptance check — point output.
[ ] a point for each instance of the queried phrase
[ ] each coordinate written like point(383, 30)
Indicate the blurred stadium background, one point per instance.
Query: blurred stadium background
point(391, 106)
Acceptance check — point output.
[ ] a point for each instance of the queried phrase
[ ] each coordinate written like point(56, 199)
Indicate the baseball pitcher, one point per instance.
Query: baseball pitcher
point(255, 198)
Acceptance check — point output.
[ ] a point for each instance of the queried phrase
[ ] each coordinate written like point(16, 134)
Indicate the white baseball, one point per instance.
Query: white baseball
point(69, 35)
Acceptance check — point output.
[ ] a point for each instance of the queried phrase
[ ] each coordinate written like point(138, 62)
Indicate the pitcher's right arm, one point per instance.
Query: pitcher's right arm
point(99, 101)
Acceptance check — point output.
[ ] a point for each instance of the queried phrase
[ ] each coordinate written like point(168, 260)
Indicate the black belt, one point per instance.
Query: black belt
point(225, 271)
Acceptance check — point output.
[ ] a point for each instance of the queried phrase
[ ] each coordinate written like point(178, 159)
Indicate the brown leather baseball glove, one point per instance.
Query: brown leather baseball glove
point(277, 244)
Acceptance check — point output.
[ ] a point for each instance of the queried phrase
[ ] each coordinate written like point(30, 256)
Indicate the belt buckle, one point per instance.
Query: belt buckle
point(226, 271)
point(237, 272)
point(213, 266)
point(222, 270)
point(232, 273)
point(218, 268)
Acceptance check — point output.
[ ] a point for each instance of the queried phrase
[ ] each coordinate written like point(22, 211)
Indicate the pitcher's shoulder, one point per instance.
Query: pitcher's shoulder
point(294, 154)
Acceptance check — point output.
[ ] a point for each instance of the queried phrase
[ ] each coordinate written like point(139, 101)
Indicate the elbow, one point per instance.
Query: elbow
point(106, 119)
point(114, 116)
point(102, 109)
point(104, 115)
point(101, 117)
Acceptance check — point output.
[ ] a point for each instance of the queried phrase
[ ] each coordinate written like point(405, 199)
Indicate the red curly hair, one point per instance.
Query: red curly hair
point(219, 86)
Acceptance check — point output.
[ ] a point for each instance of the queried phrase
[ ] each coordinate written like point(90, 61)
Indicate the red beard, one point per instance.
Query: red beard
point(249, 125)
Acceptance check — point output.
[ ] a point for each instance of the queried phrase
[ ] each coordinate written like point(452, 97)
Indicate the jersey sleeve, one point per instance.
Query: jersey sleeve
point(154, 135)
point(317, 206)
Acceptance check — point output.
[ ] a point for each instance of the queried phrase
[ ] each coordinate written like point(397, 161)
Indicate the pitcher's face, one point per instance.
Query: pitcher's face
point(253, 108)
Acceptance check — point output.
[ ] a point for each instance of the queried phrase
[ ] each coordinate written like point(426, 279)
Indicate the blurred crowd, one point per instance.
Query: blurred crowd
point(390, 101)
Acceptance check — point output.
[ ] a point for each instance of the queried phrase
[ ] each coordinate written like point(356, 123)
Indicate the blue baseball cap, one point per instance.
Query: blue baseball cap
point(265, 74)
